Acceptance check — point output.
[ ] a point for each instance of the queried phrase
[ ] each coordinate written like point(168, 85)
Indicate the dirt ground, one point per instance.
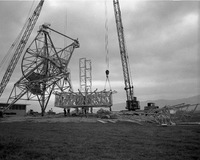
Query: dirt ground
point(114, 117)
point(50, 119)
point(62, 119)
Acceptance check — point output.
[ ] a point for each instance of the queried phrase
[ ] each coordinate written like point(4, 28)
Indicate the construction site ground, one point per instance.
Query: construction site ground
point(76, 119)
point(52, 138)
point(114, 117)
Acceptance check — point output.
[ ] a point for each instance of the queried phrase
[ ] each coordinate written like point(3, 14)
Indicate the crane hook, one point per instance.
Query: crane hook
point(107, 73)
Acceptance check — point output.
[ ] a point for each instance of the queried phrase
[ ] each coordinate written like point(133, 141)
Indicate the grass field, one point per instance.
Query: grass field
point(95, 141)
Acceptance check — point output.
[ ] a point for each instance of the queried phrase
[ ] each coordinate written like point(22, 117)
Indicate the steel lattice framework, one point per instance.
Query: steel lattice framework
point(85, 98)
point(172, 115)
point(85, 69)
point(44, 68)
point(79, 99)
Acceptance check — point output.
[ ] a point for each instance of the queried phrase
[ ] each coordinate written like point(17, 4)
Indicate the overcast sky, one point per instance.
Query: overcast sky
point(162, 39)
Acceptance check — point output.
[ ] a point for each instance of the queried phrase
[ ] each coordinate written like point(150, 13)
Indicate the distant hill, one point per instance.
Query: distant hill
point(161, 102)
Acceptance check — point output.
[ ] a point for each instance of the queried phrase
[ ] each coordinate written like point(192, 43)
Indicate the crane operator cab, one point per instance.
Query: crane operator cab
point(133, 105)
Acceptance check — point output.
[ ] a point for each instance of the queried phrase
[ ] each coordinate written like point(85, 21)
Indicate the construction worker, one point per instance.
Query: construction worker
point(65, 113)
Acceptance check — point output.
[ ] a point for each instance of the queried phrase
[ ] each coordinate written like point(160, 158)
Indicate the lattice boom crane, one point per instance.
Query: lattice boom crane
point(131, 103)
point(22, 43)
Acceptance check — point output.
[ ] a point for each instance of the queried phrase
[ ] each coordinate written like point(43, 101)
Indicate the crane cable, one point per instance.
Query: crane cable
point(130, 73)
point(106, 48)
point(65, 29)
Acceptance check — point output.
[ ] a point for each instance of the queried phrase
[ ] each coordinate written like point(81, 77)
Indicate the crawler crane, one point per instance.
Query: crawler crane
point(25, 34)
point(19, 46)
point(131, 102)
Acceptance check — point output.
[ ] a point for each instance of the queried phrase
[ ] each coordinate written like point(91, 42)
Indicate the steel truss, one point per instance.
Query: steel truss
point(88, 99)
point(44, 68)
point(85, 69)
point(170, 115)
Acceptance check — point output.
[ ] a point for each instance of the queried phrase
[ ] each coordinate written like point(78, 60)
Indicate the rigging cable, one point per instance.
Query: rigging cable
point(106, 48)
point(106, 36)
point(65, 28)
point(66, 52)
point(130, 73)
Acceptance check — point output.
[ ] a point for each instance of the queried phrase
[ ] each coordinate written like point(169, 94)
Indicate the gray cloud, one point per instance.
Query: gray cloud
point(161, 38)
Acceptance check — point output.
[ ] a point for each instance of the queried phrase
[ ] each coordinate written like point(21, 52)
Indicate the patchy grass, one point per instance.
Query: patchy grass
point(93, 141)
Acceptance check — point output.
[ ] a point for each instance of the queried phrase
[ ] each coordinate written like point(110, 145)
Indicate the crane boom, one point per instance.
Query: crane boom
point(22, 43)
point(131, 103)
